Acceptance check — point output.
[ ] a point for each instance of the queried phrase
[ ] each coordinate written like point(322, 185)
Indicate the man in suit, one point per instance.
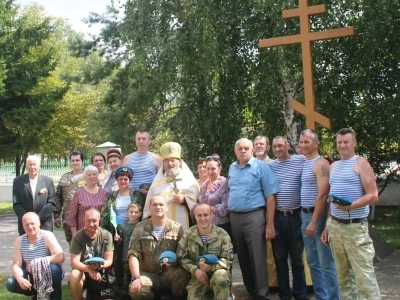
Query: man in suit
point(34, 193)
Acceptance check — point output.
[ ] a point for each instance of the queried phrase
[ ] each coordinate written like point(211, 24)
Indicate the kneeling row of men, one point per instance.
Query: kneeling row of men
point(161, 257)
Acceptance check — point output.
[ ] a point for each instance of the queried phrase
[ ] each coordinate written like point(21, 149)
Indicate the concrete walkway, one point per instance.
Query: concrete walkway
point(387, 272)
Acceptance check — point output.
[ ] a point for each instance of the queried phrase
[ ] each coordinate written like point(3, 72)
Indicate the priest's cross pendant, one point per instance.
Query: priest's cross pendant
point(173, 180)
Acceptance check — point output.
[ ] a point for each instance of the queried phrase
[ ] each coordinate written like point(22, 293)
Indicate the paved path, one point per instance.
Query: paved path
point(387, 272)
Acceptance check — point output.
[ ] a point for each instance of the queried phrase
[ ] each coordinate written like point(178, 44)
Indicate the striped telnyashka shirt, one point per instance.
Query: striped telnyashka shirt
point(309, 187)
point(288, 174)
point(31, 251)
point(347, 184)
point(144, 169)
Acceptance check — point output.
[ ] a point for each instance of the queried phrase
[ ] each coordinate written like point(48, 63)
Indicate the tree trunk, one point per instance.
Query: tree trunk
point(292, 118)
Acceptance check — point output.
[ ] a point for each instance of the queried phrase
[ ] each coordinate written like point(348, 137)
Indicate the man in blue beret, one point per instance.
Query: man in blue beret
point(206, 251)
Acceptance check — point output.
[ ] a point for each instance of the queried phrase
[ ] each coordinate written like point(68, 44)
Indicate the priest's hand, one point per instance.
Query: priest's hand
point(178, 199)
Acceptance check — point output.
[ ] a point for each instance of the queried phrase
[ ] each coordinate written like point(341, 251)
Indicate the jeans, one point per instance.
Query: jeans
point(289, 240)
point(57, 273)
point(320, 260)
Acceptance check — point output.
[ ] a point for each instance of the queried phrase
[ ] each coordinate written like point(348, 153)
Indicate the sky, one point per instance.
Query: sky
point(72, 10)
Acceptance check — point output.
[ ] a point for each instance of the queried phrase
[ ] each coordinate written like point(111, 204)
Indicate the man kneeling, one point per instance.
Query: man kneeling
point(87, 243)
point(206, 251)
point(43, 256)
point(151, 238)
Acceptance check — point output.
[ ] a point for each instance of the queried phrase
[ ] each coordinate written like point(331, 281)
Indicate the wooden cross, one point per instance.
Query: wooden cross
point(174, 180)
point(305, 38)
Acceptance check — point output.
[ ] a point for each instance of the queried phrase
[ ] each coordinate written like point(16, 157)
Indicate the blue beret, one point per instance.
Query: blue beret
point(167, 257)
point(145, 186)
point(124, 169)
point(339, 200)
point(209, 259)
point(95, 260)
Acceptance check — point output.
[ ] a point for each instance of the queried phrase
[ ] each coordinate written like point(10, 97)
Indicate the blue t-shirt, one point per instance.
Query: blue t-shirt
point(250, 185)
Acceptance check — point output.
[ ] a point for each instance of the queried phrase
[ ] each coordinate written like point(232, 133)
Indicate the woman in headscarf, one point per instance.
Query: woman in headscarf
point(114, 160)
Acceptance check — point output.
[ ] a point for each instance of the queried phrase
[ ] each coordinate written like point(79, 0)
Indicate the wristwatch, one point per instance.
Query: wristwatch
point(133, 278)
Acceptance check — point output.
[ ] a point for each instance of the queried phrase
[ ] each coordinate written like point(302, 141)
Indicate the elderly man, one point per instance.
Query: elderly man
point(150, 239)
point(314, 195)
point(88, 242)
point(35, 193)
point(252, 188)
point(43, 257)
point(289, 240)
point(67, 185)
point(205, 238)
point(145, 164)
point(352, 179)
point(261, 148)
point(176, 183)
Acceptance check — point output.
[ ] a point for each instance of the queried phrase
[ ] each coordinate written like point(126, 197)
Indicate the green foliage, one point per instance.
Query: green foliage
point(195, 69)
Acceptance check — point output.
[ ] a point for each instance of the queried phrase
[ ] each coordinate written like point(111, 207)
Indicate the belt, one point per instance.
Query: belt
point(250, 211)
point(289, 212)
point(308, 209)
point(350, 221)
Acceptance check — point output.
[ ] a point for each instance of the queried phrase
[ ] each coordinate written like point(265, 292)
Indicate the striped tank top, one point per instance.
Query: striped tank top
point(31, 251)
point(347, 184)
point(288, 174)
point(144, 169)
point(309, 187)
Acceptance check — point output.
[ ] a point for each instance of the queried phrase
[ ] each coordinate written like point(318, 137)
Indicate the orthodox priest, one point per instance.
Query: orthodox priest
point(176, 183)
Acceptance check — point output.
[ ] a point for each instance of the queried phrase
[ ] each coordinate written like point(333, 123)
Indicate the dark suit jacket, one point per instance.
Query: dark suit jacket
point(43, 204)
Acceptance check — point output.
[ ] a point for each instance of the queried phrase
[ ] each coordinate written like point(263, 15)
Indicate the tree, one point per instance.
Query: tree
point(31, 50)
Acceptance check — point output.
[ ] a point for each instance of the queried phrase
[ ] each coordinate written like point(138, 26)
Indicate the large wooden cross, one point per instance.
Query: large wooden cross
point(305, 38)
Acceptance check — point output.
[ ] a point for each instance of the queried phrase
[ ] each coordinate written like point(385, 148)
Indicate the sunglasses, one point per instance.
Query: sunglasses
point(213, 157)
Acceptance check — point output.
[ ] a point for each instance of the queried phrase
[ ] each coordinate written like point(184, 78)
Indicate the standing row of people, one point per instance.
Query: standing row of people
point(283, 201)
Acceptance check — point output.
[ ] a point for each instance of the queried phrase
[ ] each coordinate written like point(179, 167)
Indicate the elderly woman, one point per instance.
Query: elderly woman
point(214, 192)
point(120, 200)
point(114, 160)
point(42, 255)
point(201, 170)
point(98, 160)
point(88, 196)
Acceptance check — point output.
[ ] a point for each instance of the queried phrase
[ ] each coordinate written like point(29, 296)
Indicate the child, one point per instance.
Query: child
point(134, 212)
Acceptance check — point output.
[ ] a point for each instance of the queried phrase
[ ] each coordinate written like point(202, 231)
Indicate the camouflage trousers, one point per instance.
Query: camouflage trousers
point(66, 228)
point(174, 279)
point(219, 284)
point(353, 251)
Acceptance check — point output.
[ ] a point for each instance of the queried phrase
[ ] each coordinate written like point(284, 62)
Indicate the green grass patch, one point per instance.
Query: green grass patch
point(6, 208)
point(5, 295)
point(389, 228)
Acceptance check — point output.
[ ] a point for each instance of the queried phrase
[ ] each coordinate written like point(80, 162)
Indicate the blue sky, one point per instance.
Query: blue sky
point(73, 10)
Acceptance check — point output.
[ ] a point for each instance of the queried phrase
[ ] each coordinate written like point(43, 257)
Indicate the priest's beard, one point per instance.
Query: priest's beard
point(172, 171)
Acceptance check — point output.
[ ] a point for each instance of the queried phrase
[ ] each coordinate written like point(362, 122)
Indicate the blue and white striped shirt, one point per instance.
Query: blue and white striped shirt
point(309, 186)
point(144, 169)
point(346, 183)
point(288, 174)
point(158, 231)
point(32, 251)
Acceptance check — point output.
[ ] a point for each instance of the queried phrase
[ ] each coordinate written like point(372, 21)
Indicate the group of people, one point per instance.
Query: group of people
point(192, 228)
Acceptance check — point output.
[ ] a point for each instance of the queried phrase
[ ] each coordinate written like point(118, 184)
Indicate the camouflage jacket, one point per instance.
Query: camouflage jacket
point(191, 246)
point(65, 191)
point(147, 249)
point(105, 212)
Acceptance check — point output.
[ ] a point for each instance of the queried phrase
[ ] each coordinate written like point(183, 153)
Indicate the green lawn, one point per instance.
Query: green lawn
point(6, 208)
point(5, 295)
point(389, 228)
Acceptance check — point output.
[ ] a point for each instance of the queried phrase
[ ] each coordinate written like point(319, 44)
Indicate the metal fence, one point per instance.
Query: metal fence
point(52, 168)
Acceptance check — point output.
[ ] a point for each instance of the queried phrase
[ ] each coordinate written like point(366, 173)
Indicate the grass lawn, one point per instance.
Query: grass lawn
point(389, 229)
point(6, 208)
point(5, 295)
